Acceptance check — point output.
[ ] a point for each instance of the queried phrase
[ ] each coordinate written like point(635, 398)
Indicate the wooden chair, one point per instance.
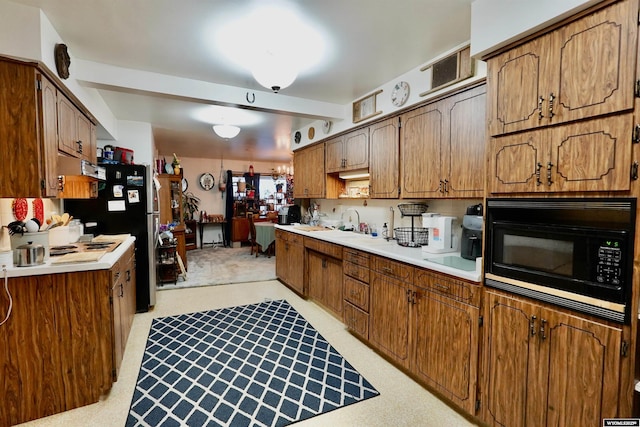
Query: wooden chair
point(252, 236)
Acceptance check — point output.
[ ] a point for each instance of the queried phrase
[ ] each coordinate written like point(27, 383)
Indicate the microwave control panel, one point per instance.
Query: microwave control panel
point(609, 268)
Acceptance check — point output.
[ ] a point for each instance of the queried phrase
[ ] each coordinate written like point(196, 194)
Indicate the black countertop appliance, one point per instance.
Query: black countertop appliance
point(471, 245)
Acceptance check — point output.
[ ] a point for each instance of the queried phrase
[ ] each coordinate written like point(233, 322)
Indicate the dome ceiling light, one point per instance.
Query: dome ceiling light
point(226, 131)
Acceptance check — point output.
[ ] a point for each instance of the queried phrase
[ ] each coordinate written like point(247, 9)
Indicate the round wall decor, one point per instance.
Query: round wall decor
point(206, 181)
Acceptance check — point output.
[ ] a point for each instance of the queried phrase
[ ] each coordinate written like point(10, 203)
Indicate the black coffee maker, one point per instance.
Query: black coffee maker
point(471, 245)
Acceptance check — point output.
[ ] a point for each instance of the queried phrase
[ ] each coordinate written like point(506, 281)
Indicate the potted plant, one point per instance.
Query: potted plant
point(190, 205)
point(176, 164)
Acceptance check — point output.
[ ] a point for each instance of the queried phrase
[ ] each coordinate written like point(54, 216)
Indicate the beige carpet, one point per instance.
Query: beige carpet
point(222, 266)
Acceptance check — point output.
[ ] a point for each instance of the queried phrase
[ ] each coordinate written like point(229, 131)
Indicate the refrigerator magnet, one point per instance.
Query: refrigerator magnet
point(117, 190)
point(133, 196)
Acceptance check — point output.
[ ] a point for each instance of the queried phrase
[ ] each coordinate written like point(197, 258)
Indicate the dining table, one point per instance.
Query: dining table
point(265, 234)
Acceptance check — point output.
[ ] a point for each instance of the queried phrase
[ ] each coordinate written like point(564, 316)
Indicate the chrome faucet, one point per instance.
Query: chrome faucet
point(357, 218)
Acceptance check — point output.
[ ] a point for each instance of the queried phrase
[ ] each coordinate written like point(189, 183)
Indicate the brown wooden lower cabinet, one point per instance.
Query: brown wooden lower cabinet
point(290, 260)
point(389, 309)
point(543, 367)
point(57, 349)
point(325, 281)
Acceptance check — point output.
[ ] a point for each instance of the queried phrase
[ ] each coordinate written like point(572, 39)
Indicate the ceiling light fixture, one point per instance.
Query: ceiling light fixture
point(226, 131)
point(274, 71)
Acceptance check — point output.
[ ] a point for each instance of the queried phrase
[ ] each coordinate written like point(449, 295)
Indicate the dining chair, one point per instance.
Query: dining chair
point(252, 236)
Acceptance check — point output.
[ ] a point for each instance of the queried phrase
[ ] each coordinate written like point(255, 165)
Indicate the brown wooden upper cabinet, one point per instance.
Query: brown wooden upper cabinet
point(443, 147)
point(76, 133)
point(593, 155)
point(348, 152)
point(308, 163)
point(28, 129)
point(583, 69)
point(384, 159)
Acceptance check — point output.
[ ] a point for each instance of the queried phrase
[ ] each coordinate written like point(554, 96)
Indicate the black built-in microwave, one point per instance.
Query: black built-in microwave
point(576, 253)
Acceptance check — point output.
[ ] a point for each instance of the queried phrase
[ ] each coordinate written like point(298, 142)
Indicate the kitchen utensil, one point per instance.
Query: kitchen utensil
point(30, 254)
point(39, 238)
point(31, 226)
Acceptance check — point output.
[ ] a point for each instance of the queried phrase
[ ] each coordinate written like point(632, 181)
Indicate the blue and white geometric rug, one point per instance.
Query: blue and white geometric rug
point(254, 365)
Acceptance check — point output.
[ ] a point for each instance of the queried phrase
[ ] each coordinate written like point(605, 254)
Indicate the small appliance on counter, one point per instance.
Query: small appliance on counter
point(441, 236)
point(471, 246)
point(289, 214)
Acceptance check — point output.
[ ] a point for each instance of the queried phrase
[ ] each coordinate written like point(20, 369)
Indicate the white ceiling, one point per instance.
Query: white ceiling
point(371, 43)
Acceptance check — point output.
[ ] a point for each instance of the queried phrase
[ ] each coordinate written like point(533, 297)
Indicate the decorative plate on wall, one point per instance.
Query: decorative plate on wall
point(185, 184)
point(206, 181)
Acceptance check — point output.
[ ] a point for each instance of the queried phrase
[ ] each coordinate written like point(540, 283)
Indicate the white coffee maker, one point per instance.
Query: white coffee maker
point(441, 236)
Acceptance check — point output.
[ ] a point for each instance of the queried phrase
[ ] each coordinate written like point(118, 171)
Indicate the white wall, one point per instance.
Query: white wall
point(26, 33)
point(419, 82)
point(136, 136)
point(496, 23)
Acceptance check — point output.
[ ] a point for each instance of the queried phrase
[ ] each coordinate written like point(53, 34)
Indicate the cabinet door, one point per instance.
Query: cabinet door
point(86, 142)
point(389, 317)
point(464, 144)
point(356, 149)
point(595, 65)
point(295, 259)
point(325, 281)
point(384, 159)
point(421, 137)
point(310, 176)
point(49, 129)
point(334, 154)
point(583, 365)
point(315, 280)
point(516, 88)
point(67, 126)
point(445, 345)
point(516, 162)
point(592, 155)
point(509, 354)
point(281, 256)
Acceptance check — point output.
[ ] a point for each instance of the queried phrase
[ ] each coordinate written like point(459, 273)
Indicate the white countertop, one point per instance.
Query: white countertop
point(390, 249)
point(104, 263)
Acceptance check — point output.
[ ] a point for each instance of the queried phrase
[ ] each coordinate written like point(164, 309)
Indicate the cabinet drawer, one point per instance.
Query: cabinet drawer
point(356, 320)
point(330, 249)
point(356, 293)
point(392, 269)
point(288, 237)
point(458, 290)
point(356, 257)
point(356, 271)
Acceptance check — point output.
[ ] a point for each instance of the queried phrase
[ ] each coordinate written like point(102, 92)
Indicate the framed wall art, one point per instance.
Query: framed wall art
point(365, 107)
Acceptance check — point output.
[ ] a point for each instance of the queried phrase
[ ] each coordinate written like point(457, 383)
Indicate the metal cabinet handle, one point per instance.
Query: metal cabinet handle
point(446, 185)
point(532, 325)
point(543, 335)
point(549, 166)
point(79, 150)
point(408, 295)
point(551, 98)
point(538, 167)
point(540, 114)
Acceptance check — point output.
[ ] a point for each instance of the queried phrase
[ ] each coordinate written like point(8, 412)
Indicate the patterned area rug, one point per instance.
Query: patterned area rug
point(254, 365)
point(222, 266)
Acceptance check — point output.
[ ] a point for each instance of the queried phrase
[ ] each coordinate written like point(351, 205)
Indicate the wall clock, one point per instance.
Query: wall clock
point(400, 94)
point(206, 181)
point(297, 137)
point(185, 184)
point(326, 126)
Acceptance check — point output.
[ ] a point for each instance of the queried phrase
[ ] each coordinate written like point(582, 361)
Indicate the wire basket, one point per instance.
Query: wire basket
point(412, 209)
point(411, 237)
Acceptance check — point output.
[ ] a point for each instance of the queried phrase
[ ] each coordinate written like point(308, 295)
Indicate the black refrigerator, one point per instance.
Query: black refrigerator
point(127, 202)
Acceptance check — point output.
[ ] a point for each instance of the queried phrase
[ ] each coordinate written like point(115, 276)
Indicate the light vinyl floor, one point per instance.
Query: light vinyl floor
point(402, 402)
